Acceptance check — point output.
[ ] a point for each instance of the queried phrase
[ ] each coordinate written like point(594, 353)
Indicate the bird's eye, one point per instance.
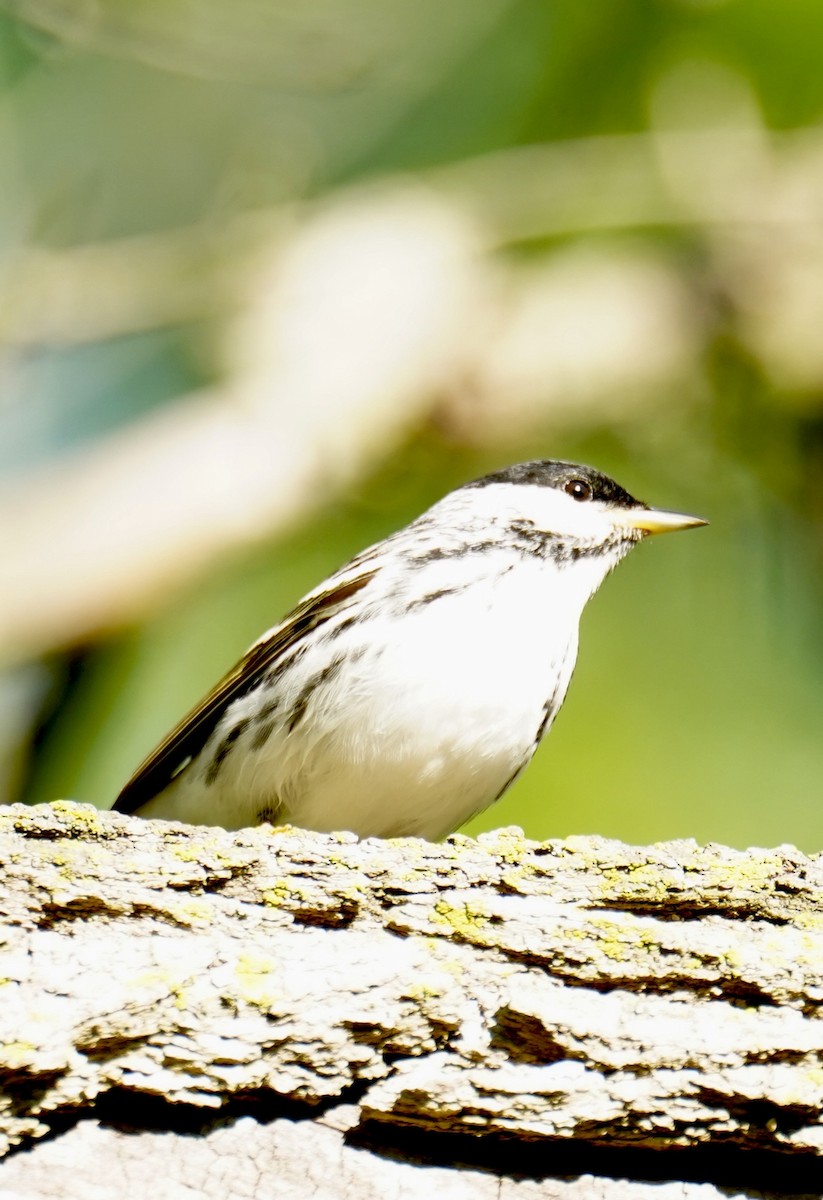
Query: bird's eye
point(578, 489)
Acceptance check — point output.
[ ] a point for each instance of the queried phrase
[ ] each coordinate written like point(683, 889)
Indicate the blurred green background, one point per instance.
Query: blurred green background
point(273, 277)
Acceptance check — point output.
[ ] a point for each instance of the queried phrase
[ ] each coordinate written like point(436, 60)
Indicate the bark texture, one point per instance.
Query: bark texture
point(186, 1012)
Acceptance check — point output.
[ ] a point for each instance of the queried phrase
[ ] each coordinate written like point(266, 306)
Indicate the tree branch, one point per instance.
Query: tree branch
point(347, 1011)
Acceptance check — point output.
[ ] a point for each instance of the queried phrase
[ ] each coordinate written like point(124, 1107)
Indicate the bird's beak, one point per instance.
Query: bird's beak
point(657, 520)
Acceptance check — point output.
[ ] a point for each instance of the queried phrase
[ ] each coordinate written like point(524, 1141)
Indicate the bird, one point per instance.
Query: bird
point(408, 690)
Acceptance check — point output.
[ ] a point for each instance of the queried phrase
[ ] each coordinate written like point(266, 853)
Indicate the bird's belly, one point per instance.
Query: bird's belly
point(417, 739)
point(411, 735)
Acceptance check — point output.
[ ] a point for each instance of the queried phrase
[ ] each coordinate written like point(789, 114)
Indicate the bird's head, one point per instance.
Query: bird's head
point(573, 512)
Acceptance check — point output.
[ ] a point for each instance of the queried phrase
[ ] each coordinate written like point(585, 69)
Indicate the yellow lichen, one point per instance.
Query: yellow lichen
point(285, 894)
point(255, 975)
point(466, 920)
point(191, 912)
point(17, 1054)
point(422, 991)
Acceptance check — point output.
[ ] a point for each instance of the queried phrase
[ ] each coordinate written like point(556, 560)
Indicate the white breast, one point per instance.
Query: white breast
point(436, 706)
point(435, 714)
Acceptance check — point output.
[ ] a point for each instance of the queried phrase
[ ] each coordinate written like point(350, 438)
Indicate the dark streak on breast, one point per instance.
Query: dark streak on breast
point(529, 539)
point(549, 709)
point(441, 553)
point(223, 749)
point(267, 711)
point(286, 662)
point(262, 733)
point(429, 597)
point(298, 710)
point(330, 635)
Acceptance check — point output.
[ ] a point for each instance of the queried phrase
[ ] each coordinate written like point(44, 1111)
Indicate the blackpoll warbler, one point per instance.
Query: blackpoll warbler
point(409, 689)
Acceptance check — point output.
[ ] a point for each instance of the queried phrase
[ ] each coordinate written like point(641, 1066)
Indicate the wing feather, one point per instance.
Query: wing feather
point(190, 735)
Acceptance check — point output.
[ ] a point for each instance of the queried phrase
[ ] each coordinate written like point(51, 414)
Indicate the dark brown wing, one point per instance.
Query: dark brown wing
point(187, 738)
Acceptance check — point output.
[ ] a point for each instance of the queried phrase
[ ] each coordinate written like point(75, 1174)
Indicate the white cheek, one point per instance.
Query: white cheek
point(550, 510)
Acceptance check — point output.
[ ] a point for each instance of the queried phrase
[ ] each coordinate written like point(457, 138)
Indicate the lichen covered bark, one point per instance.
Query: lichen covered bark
point(581, 993)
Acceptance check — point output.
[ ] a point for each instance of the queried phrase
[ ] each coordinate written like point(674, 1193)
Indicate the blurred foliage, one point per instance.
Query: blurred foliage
point(698, 700)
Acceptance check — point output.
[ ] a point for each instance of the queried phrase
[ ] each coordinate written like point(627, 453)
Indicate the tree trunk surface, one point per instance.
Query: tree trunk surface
point(187, 1012)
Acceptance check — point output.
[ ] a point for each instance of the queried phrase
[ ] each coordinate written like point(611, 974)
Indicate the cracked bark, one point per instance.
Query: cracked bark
point(336, 1018)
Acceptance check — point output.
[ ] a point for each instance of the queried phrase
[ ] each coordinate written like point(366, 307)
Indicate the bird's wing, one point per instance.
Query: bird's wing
point(187, 738)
